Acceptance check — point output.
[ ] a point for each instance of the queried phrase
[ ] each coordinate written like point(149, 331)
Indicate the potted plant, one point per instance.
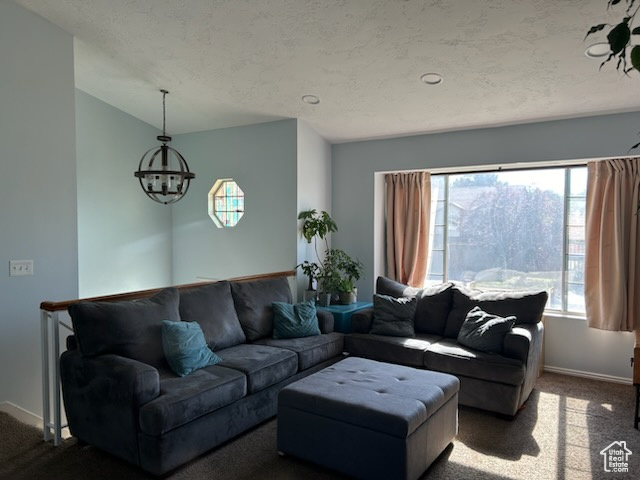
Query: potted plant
point(316, 226)
point(312, 271)
point(340, 273)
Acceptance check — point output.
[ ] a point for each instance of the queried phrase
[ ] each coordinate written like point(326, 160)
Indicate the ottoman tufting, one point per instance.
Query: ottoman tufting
point(369, 419)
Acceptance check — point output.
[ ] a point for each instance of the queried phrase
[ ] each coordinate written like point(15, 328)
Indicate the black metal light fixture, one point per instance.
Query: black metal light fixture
point(168, 182)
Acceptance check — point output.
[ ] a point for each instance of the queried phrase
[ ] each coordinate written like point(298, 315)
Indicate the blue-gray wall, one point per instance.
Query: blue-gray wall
point(262, 160)
point(124, 238)
point(313, 188)
point(571, 346)
point(37, 191)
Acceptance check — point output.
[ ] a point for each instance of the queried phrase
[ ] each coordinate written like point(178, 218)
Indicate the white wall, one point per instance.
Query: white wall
point(313, 188)
point(37, 191)
point(124, 237)
point(262, 160)
point(570, 344)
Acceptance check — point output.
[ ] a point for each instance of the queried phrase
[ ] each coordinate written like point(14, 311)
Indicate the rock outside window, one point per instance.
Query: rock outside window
point(226, 203)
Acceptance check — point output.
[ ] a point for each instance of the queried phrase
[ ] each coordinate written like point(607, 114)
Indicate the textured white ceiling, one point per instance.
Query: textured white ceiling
point(237, 62)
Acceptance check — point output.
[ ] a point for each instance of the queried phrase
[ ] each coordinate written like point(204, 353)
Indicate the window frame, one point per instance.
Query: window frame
point(567, 166)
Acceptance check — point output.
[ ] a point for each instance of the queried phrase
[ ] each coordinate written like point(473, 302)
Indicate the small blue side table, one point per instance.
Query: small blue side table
point(342, 314)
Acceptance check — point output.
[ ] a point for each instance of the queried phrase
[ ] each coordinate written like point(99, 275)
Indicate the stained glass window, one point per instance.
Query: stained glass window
point(226, 203)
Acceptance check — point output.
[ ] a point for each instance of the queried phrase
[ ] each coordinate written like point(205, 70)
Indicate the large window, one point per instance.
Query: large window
point(512, 230)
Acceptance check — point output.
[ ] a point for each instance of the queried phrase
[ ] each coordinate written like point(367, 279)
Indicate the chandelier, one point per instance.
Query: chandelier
point(163, 172)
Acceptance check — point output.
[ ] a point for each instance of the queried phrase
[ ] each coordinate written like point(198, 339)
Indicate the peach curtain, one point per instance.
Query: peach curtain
point(612, 252)
point(408, 208)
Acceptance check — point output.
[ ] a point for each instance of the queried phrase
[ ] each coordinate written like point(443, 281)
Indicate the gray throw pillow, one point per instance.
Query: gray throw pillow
point(393, 316)
point(131, 329)
point(212, 307)
point(484, 331)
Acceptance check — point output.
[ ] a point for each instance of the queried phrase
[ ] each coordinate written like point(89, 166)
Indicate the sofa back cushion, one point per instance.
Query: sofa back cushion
point(527, 307)
point(213, 308)
point(432, 308)
point(131, 329)
point(253, 301)
point(393, 288)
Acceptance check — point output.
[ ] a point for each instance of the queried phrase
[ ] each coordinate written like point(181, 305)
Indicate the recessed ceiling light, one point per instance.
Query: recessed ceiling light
point(431, 78)
point(310, 99)
point(598, 50)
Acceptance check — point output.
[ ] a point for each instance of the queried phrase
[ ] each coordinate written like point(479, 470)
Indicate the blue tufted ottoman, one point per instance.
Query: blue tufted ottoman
point(369, 419)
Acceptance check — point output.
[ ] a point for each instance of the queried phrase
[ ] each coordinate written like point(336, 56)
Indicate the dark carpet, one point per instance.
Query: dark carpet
point(559, 434)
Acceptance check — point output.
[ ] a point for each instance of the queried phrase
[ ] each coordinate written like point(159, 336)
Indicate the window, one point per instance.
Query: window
point(226, 203)
point(512, 230)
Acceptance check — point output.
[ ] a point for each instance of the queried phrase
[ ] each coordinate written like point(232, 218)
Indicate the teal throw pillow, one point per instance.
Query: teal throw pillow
point(393, 316)
point(185, 347)
point(295, 321)
point(485, 331)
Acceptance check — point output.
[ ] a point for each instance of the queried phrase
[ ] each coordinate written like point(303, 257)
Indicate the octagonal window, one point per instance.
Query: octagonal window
point(226, 203)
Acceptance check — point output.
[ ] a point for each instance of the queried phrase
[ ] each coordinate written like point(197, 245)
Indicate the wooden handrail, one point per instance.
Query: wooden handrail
point(63, 305)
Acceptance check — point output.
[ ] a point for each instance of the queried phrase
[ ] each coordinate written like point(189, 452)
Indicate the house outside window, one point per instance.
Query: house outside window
point(512, 230)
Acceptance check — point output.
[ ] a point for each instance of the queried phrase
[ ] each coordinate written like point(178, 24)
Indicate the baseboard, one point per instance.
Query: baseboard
point(21, 414)
point(28, 417)
point(590, 375)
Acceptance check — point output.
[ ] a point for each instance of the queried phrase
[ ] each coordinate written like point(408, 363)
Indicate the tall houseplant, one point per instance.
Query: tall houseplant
point(315, 227)
point(334, 270)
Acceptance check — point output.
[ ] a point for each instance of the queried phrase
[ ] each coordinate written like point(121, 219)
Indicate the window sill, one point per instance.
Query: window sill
point(558, 314)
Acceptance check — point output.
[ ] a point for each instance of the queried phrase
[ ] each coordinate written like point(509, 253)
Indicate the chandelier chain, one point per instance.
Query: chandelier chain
point(164, 115)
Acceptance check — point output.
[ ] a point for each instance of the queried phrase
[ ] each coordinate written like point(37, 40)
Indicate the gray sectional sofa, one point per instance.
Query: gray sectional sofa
point(121, 395)
point(498, 381)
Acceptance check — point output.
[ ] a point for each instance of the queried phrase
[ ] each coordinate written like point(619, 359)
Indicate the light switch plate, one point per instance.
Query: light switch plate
point(18, 268)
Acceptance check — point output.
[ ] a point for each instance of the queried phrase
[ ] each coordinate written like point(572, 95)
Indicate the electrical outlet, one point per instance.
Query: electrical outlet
point(19, 268)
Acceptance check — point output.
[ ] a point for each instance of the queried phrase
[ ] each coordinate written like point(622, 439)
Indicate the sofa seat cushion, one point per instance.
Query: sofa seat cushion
point(400, 350)
point(449, 356)
point(213, 308)
point(310, 350)
point(262, 364)
point(183, 399)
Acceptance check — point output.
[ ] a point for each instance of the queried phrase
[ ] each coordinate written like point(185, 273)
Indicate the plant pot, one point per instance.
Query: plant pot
point(347, 298)
point(310, 295)
point(324, 299)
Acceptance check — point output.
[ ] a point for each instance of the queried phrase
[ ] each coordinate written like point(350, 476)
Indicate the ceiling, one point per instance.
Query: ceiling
point(237, 62)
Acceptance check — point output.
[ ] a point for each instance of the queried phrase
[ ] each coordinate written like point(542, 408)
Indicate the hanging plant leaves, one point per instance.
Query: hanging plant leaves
point(635, 57)
point(595, 29)
point(619, 36)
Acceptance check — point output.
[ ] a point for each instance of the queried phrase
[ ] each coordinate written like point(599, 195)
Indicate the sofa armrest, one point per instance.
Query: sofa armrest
point(517, 342)
point(361, 320)
point(523, 341)
point(102, 396)
point(325, 321)
point(525, 344)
